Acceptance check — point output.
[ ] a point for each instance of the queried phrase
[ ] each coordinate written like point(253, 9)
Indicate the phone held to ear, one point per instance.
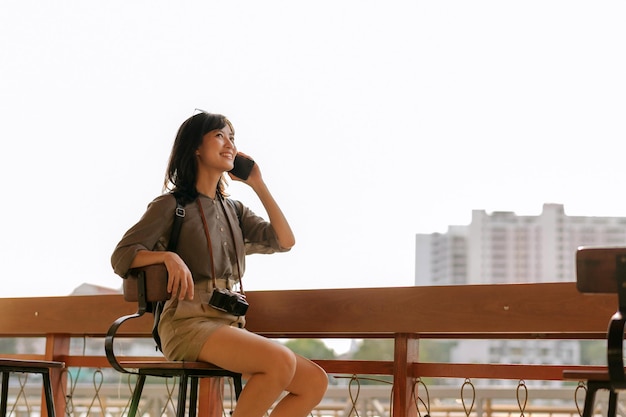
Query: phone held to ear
point(242, 167)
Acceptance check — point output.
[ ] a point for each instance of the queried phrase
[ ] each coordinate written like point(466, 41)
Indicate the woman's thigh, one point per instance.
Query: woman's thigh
point(241, 351)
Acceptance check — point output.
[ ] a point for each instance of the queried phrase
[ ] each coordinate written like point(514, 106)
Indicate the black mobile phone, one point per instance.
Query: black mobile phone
point(242, 167)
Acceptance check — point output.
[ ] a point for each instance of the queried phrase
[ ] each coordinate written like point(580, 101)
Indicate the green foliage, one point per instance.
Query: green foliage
point(7, 345)
point(435, 350)
point(311, 348)
point(593, 352)
point(383, 349)
point(375, 349)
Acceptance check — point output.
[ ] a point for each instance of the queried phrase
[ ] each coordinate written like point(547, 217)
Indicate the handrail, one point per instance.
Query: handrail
point(468, 311)
point(405, 314)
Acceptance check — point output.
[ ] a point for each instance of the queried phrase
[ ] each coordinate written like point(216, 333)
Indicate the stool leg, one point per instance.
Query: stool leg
point(182, 396)
point(612, 403)
point(237, 384)
point(48, 393)
point(592, 388)
point(193, 397)
point(5, 393)
point(134, 404)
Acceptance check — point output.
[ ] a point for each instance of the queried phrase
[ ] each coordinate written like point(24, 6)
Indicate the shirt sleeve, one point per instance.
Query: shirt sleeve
point(258, 234)
point(149, 233)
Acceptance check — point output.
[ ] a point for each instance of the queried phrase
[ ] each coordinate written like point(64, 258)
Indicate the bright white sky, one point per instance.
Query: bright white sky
point(371, 120)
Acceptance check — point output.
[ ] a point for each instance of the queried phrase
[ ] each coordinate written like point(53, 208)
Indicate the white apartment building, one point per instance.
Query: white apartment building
point(503, 247)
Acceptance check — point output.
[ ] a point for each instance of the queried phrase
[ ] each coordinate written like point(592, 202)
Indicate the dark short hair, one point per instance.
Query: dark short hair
point(182, 169)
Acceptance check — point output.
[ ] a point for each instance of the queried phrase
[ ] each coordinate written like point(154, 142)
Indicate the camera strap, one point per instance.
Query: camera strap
point(210, 246)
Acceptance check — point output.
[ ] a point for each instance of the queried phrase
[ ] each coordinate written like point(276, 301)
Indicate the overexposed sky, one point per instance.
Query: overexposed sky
point(371, 121)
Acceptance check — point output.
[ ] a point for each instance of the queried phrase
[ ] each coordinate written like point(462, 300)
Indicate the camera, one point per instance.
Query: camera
point(229, 302)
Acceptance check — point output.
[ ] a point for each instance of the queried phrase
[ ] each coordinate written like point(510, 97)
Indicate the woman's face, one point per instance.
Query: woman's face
point(217, 151)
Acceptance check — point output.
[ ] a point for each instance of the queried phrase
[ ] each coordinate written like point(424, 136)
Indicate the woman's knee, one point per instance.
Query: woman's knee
point(281, 365)
point(310, 383)
point(318, 380)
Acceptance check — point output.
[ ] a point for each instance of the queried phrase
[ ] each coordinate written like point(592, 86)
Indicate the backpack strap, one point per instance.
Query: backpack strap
point(179, 215)
point(157, 307)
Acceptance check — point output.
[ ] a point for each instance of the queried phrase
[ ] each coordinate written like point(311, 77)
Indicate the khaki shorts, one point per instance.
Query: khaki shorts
point(184, 327)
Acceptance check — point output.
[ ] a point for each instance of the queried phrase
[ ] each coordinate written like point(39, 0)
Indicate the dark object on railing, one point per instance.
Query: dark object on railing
point(155, 288)
point(596, 268)
point(30, 367)
point(186, 371)
point(603, 270)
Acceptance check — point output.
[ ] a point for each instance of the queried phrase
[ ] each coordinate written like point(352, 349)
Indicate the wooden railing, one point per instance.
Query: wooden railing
point(406, 315)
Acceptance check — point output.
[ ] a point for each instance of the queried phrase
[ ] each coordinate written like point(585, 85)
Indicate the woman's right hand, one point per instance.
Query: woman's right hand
point(180, 280)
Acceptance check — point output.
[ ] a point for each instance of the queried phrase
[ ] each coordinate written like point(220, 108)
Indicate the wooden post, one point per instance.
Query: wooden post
point(405, 354)
point(57, 346)
point(210, 397)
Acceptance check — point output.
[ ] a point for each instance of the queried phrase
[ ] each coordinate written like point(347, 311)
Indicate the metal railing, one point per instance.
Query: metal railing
point(349, 399)
point(404, 315)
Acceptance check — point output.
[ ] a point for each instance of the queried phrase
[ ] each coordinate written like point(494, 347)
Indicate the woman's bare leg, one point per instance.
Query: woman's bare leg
point(272, 369)
point(306, 390)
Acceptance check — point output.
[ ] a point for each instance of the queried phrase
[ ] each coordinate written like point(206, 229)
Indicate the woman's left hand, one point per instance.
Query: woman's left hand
point(255, 173)
point(277, 219)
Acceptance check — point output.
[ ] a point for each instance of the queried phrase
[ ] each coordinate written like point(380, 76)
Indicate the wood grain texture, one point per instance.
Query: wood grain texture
point(468, 311)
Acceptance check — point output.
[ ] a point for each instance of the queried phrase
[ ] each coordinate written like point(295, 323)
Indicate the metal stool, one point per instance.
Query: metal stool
point(28, 367)
point(188, 373)
point(596, 381)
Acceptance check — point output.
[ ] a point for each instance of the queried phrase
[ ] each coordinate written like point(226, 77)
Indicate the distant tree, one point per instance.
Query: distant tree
point(311, 348)
point(593, 352)
point(375, 350)
point(7, 345)
point(383, 350)
point(435, 350)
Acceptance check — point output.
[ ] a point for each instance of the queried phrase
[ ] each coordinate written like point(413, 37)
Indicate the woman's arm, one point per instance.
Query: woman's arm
point(279, 222)
point(277, 219)
point(179, 281)
point(134, 250)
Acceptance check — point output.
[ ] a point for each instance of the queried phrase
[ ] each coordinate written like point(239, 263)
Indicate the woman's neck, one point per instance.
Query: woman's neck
point(207, 185)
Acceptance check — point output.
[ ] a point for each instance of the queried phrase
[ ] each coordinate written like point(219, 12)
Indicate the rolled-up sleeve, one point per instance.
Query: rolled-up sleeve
point(258, 234)
point(149, 233)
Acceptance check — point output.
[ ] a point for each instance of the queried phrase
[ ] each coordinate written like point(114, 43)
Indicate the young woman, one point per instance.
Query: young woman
point(216, 234)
